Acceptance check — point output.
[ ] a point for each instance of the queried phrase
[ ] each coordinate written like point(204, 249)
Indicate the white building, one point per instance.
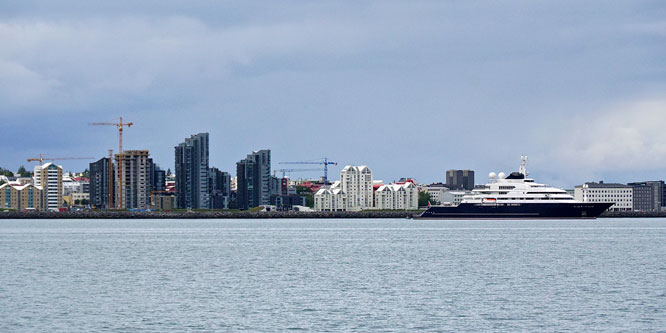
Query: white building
point(352, 192)
point(330, 199)
point(397, 197)
point(436, 191)
point(452, 198)
point(622, 195)
point(356, 183)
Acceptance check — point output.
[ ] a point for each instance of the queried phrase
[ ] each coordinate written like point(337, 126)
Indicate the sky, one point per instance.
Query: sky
point(409, 88)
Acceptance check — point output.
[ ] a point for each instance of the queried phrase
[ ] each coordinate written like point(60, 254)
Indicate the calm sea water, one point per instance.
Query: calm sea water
point(333, 275)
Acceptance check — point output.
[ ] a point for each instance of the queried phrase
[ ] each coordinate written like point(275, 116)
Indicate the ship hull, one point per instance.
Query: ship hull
point(578, 210)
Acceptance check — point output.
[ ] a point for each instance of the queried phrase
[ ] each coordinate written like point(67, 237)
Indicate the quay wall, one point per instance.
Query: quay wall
point(205, 215)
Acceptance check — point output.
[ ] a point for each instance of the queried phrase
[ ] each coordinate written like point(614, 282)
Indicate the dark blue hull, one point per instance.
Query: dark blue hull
point(575, 210)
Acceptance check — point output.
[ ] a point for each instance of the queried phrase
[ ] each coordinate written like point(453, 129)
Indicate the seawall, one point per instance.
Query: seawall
point(206, 215)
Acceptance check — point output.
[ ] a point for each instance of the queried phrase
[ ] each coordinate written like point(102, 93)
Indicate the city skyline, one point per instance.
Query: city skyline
point(578, 87)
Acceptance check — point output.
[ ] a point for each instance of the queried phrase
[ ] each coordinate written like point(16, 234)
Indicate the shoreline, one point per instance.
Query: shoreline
point(256, 215)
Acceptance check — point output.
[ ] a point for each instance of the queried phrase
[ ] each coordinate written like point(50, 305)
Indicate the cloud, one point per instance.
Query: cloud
point(630, 136)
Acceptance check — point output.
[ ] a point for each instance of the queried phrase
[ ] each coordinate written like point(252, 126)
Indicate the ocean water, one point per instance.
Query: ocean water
point(332, 275)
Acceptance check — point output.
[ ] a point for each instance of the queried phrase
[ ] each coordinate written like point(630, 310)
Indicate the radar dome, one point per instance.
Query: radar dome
point(492, 175)
point(502, 175)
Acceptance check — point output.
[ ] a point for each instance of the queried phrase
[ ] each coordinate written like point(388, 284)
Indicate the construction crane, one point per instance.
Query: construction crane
point(120, 125)
point(321, 161)
point(285, 171)
point(41, 158)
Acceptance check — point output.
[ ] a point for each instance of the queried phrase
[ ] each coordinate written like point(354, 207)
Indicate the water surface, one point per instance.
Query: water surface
point(332, 275)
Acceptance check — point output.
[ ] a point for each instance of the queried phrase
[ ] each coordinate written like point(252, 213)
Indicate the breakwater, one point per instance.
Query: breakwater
point(206, 215)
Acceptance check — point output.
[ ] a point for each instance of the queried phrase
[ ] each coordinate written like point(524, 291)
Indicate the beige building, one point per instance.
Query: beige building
point(20, 197)
point(164, 202)
point(48, 178)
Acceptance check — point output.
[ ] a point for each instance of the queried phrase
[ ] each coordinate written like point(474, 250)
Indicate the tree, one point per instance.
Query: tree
point(77, 202)
point(424, 198)
point(23, 172)
point(2, 182)
point(5, 172)
point(85, 201)
point(307, 193)
point(86, 173)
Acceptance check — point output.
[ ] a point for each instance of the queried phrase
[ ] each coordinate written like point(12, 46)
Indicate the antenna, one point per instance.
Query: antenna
point(523, 165)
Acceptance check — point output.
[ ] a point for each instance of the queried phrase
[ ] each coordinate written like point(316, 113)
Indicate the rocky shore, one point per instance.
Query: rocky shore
point(205, 215)
point(251, 215)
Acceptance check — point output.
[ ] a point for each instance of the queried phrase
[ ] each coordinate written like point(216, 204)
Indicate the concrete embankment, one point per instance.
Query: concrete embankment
point(206, 215)
point(633, 214)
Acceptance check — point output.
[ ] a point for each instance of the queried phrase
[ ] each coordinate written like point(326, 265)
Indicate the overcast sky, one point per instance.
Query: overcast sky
point(409, 88)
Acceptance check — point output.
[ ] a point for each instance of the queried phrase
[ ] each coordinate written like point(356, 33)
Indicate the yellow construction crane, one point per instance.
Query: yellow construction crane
point(120, 125)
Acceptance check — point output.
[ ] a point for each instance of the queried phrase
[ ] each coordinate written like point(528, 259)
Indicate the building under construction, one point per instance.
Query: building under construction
point(136, 173)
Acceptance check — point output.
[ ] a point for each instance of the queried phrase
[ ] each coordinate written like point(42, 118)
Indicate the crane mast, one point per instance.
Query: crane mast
point(119, 125)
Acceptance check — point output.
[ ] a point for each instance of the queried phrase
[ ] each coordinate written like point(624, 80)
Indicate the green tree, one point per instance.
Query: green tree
point(2, 182)
point(85, 201)
point(307, 193)
point(86, 173)
point(424, 198)
point(5, 172)
point(23, 172)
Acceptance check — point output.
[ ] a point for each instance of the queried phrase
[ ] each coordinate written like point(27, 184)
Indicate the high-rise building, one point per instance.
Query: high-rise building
point(158, 180)
point(136, 179)
point(354, 191)
point(460, 179)
point(192, 172)
point(48, 178)
point(100, 183)
point(253, 179)
point(220, 188)
point(356, 182)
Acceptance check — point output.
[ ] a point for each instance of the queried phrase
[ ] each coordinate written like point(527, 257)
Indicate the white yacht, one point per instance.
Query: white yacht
point(517, 196)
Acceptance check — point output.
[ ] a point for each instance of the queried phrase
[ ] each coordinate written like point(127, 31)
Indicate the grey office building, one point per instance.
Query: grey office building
point(460, 179)
point(648, 196)
point(254, 179)
point(99, 184)
point(192, 172)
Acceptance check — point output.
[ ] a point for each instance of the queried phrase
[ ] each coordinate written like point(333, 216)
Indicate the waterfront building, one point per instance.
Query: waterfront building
point(453, 198)
point(253, 179)
point(436, 191)
point(165, 201)
point(397, 197)
point(219, 183)
point(102, 178)
point(330, 198)
point(648, 196)
point(354, 191)
point(20, 197)
point(460, 179)
point(48, 178)
point(356, 183)
point(620, 194)
point(135, 174)
point(191, 161)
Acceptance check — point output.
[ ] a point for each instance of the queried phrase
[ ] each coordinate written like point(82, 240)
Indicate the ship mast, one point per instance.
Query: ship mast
point(523, 165)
